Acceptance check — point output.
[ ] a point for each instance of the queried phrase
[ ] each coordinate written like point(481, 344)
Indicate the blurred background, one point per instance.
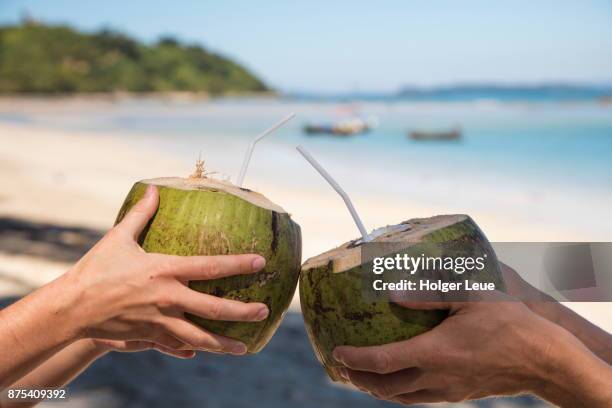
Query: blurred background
point(502, 111)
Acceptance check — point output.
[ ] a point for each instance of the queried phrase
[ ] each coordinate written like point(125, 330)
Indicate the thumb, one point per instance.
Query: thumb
point(137, 218)
point(184, 354)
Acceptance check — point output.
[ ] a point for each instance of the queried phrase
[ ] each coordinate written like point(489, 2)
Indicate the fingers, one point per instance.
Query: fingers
point(199, 338)
point(172, 348)
point(179, 299)
point(212, 267)
point(214, 308)
point(420, 397)
point(388, 358)
point(184, 354)
point(386, 386)
point(167, 341)
point(137, 218)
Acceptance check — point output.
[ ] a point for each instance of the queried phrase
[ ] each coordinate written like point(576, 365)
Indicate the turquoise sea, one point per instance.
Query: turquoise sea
point(559, 143)
point(550, 159)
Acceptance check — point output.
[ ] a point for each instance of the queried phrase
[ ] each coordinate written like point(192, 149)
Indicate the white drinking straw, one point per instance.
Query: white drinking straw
point(338, 189)
point(249, 152)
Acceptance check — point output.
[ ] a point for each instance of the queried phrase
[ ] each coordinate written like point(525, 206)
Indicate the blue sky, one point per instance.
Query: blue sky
point(368, 45)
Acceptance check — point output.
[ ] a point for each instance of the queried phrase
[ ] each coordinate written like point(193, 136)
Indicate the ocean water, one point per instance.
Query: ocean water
point(560, 143)
point(550, 162)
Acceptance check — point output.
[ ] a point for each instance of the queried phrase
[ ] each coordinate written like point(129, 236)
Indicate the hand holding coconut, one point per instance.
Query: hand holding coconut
point(177, 273)
point(486, 348)
point(128, 294)
point(125, 299)
point(440, 351)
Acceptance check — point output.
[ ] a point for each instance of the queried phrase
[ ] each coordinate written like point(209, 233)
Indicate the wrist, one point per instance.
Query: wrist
point(68, 306)
point(566, 373)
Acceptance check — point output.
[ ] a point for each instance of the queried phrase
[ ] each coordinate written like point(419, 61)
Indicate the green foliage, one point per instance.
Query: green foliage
point(35, 58)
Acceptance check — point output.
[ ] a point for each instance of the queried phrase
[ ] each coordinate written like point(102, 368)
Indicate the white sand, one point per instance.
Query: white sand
point(81, 179)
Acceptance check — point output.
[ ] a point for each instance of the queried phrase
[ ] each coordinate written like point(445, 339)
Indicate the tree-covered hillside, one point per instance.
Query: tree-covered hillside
point(36, 58)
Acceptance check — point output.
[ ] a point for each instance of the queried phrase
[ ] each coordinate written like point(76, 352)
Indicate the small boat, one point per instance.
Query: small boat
point(453, 134)
point(605, 100)
point(347, 127)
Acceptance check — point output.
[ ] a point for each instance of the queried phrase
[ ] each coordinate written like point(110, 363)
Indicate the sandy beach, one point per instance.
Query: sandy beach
point(64, 180)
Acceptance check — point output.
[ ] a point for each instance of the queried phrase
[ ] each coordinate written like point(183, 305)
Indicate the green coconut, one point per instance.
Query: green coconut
point(204, 216)
point(334, 307)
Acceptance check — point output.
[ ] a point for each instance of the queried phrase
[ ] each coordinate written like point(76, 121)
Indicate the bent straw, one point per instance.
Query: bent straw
point(338, 189)
point(249, 152)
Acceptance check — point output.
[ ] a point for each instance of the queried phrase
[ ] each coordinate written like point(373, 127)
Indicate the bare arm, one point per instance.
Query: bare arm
point(58, 370)
point(64, 366)
point(571, 376)
point(71, 361)
point(596, 339)
point(34, 329)
point(593, 337)
point(482, 349)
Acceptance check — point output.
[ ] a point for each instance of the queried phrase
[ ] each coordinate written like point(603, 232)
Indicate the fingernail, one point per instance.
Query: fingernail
point(258, 264)
point(336, 356)
point(149, 191)
point(263, 313)
point(239, 349)
point(343, 373)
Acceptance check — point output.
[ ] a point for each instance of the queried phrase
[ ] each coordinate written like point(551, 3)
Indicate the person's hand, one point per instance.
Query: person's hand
point(519, 288)
point(492, 347)
point(119, 292)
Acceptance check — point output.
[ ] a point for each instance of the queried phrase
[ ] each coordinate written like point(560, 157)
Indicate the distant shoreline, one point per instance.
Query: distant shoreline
point(466, 93)
point(545, 92)
point(188, 97)
point(121, 95)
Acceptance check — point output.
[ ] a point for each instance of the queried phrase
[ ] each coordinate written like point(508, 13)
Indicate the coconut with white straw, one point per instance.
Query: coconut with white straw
point(335, 309)
point(200, 215)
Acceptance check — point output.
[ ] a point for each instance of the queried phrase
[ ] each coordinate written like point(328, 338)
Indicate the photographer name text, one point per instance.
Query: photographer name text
point(411, 265)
